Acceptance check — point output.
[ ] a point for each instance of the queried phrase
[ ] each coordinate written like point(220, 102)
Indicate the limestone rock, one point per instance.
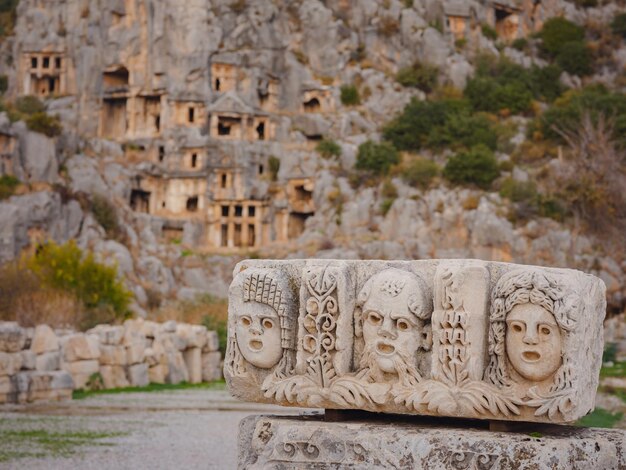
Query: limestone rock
point(113, 355)
point(212, 342)
point(138, 375)
point(81, 371)
point(80, 347)
point(39, 157)
point(176, 368)
point(195, 336)
point(12, 337)
point(114, 376)
point(48, 362)
point(44, 340)
point(10, 363)
point(459, 338)
point(193, 361)
point(110, 335)
point(211, 366)
point(298, 442)
point(157, 374)
point(29, 359)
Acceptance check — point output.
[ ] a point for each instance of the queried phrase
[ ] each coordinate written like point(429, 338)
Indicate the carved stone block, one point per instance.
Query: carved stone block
point(289, 443)
point(461, 338)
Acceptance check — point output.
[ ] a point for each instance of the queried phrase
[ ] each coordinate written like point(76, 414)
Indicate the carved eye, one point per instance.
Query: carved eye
point(544, 330)
point(245, 321)
point(517, 328)
point(268, 324)
point(403, 325)
point(374, 318)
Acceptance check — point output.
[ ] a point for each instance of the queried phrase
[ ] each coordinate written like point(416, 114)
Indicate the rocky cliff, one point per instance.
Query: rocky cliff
point(201, 122)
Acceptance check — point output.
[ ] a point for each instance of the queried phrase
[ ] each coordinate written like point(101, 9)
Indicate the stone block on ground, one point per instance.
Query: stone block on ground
point(113, 355)
point(310, 442)
point(108, 334)
point(114, 376)
point(211, 366)
point(12, 337)
point(29, 359)
point(81, 371)
point(135, 352)
point(48, 362)
point(193, 361)
point(212, 342)
point(43, 386)
point(176, 367)
point(195, 336)
point(44, 340)
point(10, 363)
point(457, 338)
point(80, 347)
point(138, 375)
point(158, 374)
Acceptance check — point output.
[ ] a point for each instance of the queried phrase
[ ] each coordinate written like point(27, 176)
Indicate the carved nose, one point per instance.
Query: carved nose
point(255, 328)
point(386, 331)
point(531, 337)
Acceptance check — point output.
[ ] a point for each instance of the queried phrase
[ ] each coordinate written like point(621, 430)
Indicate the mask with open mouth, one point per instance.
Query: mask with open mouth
point(533, 342)
point(258, 335)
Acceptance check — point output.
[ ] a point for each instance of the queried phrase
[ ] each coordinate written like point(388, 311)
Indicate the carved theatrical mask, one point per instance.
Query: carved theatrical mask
point(533, 342)
point(258, 334)
point(393, 333)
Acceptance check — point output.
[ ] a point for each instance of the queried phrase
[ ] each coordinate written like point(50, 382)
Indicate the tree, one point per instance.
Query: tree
point(377, 158)
point(477, 166)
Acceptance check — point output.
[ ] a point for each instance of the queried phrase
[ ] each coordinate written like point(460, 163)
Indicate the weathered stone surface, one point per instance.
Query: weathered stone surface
point(157, 374)
point(45, 340)
point(112, 355)
point(10, 363)
point(29, 359)
point(176, 368)
point(113, 376)
point(111, 335)
point(194, 335)
point(138, 375)
point(80, 347)
point(193, 361)
point(135, 352)
point(211, 369)
point(309, 442)
point(48, 362)
point(12, 337)
point(212, 342)
point(461, 338)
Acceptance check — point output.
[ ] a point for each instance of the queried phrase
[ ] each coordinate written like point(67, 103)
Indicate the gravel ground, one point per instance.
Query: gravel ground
point(190, 429)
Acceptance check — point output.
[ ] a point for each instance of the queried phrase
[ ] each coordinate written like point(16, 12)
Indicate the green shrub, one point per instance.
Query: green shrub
point(520, 44)
point(464, 131)
point(422, 76)
point(8, 184)
point(567, 111)
point(575, 58)
point(490, 95)
point(328, 148)
point(477, 166)
point(105, 214)
point(557, 32)
point(618, 25)
point(29, 105)
point(518, 191)
point(350, 95)
point(386, 205)
point(489, 32)
point(389, 190)
point(377, 158)
point(420, 172)
point(220, 326)
point(67, 268)
point(545, 83)
point(274, 167)
point(4, 83)
point(44, 124)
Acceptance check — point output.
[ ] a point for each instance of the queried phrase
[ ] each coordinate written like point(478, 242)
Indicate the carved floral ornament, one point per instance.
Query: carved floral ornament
point(445, 341)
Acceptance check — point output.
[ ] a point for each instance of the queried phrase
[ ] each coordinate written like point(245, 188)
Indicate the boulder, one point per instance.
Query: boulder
point(12, 337)
point(176, 368)
point(113, 355)
point(195, 336)
point(111, 335)
point(193, 361)
point(138, 375)
point(114, 376)
point(39, 157)
point(80, 347)
point(10, 363)
point(135, 352)
point(48, 362)
point(212, 342)
point(28, 359)
point(44, 340)
point(157, 374)
point(211, 366)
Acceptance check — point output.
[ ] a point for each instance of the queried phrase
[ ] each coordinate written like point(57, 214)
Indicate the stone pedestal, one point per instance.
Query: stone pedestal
point(373, 442)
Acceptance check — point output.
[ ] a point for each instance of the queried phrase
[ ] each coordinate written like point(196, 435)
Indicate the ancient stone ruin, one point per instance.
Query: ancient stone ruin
point(41, 364)
point(449, 338)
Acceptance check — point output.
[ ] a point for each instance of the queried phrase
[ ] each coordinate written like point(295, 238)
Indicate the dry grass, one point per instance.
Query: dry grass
point(193, 311)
